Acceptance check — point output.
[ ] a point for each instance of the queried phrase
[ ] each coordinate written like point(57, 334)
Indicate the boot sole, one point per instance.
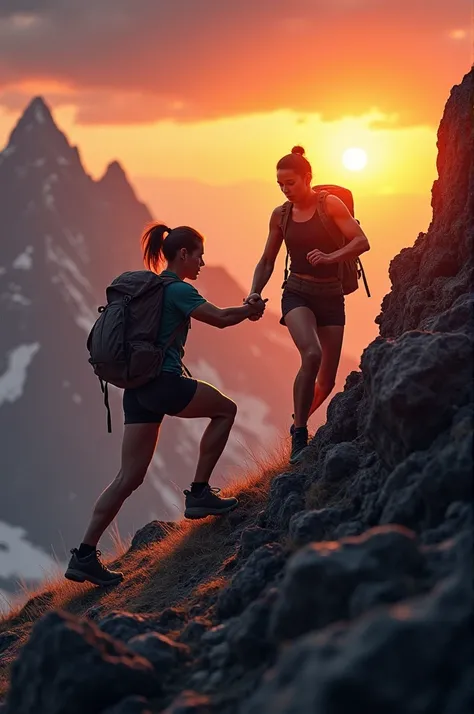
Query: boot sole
point(298, 457)
point(201, 512)
point(79, 577)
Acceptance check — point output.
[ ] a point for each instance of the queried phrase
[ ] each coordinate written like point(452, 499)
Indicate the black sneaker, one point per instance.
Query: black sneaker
point(208, 503)
point(299, 440)
point(91, 569)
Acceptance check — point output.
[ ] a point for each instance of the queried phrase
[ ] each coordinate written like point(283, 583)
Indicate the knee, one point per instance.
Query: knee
point(227, 410)
point(129, 480)
point(231, 410)
point(311, 358)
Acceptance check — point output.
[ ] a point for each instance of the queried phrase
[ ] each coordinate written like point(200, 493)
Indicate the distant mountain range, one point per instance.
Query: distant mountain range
point(63, 237)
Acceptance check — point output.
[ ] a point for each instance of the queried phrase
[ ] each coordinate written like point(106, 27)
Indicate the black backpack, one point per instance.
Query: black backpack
point(350, 271)
point(123, 342)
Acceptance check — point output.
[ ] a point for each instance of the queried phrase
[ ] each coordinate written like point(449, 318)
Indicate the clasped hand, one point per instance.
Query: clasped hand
point(317, 257)
point(257, 305)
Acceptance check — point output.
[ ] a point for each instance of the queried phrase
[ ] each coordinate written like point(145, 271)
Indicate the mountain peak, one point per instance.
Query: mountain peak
point(115, 172)
point(115, 182)
point(38, 110)
point(37, 141)
point(37, 117)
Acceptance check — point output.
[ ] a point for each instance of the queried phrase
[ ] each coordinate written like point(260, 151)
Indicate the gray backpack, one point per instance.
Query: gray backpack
point(123, 342)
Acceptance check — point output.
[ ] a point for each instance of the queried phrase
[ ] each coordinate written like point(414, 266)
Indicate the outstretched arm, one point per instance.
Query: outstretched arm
point(357, 240)
point(265, 265)
point(227, 316)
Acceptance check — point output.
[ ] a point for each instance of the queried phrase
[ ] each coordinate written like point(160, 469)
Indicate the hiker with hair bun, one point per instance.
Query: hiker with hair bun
point(323, 241)
point(170, 391)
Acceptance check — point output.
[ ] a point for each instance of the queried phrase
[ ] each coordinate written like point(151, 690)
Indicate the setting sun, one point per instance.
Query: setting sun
point(354, 159)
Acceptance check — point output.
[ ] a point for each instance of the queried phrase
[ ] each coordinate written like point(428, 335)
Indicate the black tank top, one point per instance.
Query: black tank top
point(301, 238)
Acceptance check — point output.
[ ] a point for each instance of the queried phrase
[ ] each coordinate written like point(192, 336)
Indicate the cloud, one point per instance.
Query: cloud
point(123, 62)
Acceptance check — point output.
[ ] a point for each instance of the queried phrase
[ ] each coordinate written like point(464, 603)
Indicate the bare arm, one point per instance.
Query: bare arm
point(265, 265)
point(226, 316)
point(357, 241)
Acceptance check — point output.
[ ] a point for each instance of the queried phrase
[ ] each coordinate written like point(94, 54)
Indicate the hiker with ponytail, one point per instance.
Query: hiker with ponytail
point(324, 242)
point(176, 256)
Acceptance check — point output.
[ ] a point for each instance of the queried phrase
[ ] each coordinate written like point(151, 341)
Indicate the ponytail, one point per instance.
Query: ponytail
point(156, 248)
point(152, 246)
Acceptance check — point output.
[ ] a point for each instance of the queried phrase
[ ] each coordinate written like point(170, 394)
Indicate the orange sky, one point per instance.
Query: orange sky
point(199, 100)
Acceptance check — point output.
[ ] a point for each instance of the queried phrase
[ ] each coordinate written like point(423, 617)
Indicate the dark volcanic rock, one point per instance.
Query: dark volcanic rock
point(326, 582)
point(248, 636)
point(416, 385)
point(430, 277)
point(130, 705)
point(190, 703)
point(413, 658)
point(68, 665)
point(125, 625)
point(286, 498)
point(162, 652)
point(253, 538)
point(152, 533)
point(310, 526)
point(251, 579)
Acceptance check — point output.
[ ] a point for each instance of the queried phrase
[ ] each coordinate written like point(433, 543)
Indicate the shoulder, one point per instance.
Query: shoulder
point(184, 296)
point(277, 213)
point(336, 207)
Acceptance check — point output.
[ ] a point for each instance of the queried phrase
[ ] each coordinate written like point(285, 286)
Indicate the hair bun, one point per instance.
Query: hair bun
point(298, 150)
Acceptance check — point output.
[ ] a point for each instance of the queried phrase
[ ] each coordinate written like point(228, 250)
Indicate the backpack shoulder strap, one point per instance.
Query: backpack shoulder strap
point(362, 273)
point(326, 220)
point(284, 218)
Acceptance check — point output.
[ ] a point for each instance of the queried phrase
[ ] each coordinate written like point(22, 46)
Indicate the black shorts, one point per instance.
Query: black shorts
point(169, 394)
point(328, 310)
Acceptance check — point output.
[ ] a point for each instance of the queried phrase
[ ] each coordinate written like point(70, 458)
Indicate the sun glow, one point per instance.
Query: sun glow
point(354, 159)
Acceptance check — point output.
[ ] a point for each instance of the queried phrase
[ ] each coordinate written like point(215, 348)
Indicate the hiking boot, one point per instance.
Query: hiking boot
point(91, 569)
point(299, 439)
point(208, 503)
point(292, 427)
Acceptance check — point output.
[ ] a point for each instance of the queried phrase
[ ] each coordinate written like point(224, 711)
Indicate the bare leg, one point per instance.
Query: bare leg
point(138, 446)
point(301, 324)
point(209, 402)
point(330, 337)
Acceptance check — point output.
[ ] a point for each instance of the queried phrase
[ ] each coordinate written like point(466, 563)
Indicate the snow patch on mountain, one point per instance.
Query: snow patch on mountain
point(20, 299)
point(12, 381)
point(48, 197)
point(15, 549)
point(24, 261)
point(56, 254)
point(251, 417)
point(39, 115)
point(67, 273)
point(77, 241)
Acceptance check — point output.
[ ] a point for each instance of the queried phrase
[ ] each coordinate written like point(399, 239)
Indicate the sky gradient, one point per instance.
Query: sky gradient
point(203, 98)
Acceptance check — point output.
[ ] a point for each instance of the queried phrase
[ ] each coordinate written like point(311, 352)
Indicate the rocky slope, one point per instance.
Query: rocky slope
point(347, 585)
